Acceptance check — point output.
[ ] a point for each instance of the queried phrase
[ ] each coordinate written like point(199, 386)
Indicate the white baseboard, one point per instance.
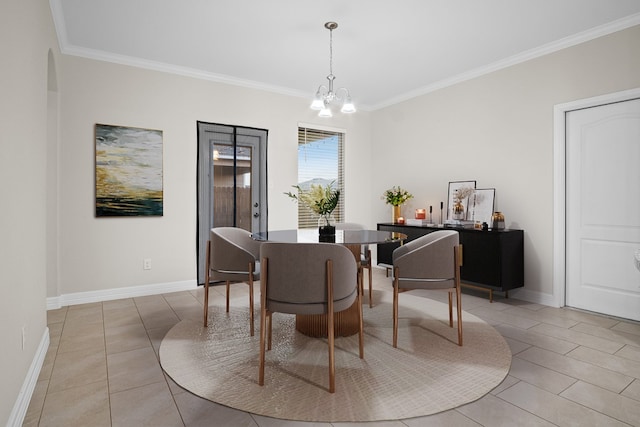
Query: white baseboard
point(19, 411)
point(119, 293)
point(518, 293)
point(533, 296)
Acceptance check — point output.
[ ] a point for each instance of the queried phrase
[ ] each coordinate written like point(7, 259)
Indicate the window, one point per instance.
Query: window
point(320, 162)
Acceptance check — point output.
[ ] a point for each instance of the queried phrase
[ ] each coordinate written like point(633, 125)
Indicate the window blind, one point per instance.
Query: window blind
point(320, 162)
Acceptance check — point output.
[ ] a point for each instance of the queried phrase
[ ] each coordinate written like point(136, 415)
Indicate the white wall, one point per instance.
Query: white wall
point(498, 130)
point(26, 35)
point(107, 253)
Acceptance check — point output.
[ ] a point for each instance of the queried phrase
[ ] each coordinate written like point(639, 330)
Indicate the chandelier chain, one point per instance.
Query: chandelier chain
point(330, 51)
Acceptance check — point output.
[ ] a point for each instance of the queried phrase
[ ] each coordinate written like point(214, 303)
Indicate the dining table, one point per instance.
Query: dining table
point(346, 321)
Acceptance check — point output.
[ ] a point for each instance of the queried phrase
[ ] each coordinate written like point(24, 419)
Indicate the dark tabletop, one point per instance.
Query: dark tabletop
point(346, 237)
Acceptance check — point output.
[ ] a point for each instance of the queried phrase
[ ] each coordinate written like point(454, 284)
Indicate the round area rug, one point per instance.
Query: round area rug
point(426, 374)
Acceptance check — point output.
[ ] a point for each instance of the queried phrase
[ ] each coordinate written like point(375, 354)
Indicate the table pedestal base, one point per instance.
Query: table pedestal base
point(345, 323)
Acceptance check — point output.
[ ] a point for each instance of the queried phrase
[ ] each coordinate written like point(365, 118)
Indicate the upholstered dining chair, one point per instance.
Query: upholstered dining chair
point(232, 257)
point(429, 262)
point(365, 258)
point(308, 279)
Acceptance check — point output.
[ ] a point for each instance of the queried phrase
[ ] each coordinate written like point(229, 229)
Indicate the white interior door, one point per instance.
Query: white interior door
point(603, 208)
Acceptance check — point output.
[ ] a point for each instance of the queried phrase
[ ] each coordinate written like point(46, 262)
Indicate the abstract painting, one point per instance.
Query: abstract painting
point(128, 171)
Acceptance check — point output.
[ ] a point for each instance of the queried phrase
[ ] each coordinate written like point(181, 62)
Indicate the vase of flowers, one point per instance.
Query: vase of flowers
point(322, 200)
point(396, 197)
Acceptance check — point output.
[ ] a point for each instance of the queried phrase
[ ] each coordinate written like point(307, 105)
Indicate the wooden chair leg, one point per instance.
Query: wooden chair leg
point(395, 307)
point(458, 263)
point(251, 303)
point(330, 327)
point(228, 288)
point(360, 327)
point(263, 321)
point(206, 286)
point(206, 301)
point(450, 310)
point(459, 307)
point(370, 282)
point(269, 326)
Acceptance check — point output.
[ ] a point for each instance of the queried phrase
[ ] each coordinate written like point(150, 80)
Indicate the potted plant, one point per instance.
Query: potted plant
point(396, 197)
point(322, 200)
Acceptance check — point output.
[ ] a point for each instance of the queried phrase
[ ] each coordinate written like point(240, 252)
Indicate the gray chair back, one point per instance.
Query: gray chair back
point(427, 262)
point(295, 274)
point(232, 250)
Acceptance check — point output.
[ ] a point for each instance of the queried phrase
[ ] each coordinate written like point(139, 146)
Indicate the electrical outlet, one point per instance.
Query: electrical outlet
point(146, 264)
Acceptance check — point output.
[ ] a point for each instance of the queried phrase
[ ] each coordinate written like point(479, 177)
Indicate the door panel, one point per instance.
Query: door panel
point(232, 187)
point(603, 209)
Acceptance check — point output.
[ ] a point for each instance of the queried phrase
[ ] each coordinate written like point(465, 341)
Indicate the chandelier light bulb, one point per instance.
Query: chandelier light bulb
point(348, 106)
point(325, 112)
point(318, 103)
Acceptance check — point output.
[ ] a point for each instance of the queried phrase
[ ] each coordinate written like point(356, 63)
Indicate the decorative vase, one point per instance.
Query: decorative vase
point(497, 221)
point(395, 213)
point(458, 210)
point(327, 225)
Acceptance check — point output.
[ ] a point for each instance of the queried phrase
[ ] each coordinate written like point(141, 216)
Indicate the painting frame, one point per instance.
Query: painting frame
point(129, 171)
point(482, 205)
point(453, 187)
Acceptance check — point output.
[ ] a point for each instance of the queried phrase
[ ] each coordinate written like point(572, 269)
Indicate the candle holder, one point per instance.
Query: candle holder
point(421, 214)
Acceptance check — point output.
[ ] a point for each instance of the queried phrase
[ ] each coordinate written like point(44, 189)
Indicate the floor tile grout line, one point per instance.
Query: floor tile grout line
point(55, 359)
point(592, 409)
point(577, 379)
point(157, 356)
point(106, 362)
point(523, 409)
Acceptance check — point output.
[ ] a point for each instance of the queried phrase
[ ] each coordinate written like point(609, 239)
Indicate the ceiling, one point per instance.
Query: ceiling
point(383, 51)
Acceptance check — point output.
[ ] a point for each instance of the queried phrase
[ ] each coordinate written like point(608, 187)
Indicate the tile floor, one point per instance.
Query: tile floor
point(569, 368)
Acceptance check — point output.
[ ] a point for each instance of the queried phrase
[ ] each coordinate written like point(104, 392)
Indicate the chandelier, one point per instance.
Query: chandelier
point(325, 95)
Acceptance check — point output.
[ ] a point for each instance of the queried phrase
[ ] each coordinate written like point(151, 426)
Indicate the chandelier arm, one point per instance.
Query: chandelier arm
point(346, 93)
point(320, 88)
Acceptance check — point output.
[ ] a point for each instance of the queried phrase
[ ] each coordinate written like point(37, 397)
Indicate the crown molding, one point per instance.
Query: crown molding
point(573, 40)
point(67, 48)
point(178, 70)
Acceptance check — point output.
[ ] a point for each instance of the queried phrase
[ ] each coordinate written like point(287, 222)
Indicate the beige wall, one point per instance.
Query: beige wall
point(26, 35)
point(106, 253)
point(498, 130)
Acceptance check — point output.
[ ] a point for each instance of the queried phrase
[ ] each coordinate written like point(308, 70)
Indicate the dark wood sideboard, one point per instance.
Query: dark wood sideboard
point(492, 260)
